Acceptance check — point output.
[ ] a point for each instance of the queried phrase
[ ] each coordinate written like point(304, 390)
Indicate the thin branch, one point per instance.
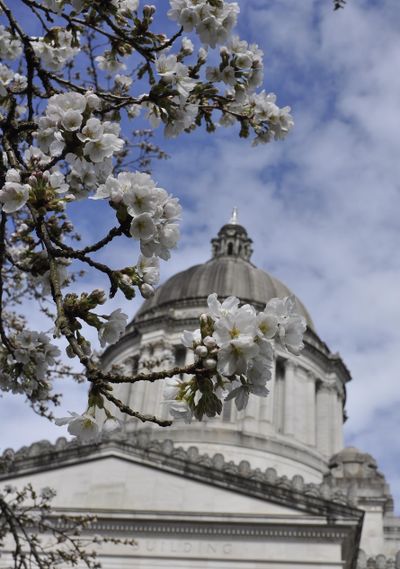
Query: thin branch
point(128, 411)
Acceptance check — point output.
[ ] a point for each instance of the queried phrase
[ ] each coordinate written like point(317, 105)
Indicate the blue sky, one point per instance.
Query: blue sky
point(322, 207)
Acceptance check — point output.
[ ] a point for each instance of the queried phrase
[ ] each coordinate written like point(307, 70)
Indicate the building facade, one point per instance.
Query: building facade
point(268, 487)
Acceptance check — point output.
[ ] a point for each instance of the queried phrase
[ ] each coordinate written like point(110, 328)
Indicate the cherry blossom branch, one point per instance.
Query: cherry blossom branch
point(114, 232)
point(31, 58)
point(67, 252)
point(151, 377)
point(128, 411)
point(3, 334)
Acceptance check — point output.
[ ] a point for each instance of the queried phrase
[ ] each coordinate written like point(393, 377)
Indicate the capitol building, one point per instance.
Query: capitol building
point(269, 487)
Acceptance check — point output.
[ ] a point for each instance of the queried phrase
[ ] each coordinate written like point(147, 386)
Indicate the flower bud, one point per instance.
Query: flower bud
point(202, 54)
point(146, 290)
point(148, 11)
point(92, 100)
point(70, 352)
point(86, 347)
point(209, 363)
point(209, 342)
point(201, 351)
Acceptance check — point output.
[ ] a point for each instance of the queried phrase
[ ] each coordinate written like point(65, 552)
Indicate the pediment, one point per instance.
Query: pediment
point(113, 482)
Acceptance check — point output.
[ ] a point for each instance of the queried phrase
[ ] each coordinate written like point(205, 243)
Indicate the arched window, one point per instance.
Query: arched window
point(230, 248)
point(135, 364)
point(180, 357)
point(279, 394)
point(227, 411)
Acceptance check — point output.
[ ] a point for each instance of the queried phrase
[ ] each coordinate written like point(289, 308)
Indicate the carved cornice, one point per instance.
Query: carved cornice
point(315, 498)
point(378, 562)
point(164, 317)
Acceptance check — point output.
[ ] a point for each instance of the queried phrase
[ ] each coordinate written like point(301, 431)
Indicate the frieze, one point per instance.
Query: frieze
point(213, 528)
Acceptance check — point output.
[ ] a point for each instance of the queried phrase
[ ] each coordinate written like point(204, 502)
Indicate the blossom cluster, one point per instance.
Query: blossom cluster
point(57, 48)
point(21, 372)
point(175, 74)
point(10, 46)
point(235, 345)
point(241, 67)
point(68, 123)
point(123, 7)
point(61, 123)
point(153, 213)
point(212, 21)
point(11, 81)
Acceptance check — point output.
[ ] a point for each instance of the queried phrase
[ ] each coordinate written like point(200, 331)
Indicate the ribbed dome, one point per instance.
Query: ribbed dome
point(228, 273)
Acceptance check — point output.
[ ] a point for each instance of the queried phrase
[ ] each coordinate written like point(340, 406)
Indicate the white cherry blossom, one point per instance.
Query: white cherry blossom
point(34, 349)
point(105, 147)
point(234, 357)
point(146, 290)
point(149, 269)
point(191, 339)
point(142, 227)
point(291, 325)
point(13, 195)
point(85, 427)
point(113, 328)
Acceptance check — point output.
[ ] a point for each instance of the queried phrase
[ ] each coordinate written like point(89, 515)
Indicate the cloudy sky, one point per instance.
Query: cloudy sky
point(322, 207)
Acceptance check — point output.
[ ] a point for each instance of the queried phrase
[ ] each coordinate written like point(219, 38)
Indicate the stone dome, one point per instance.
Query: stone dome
point(352, 462)
point(228, 272)
point(296, 428)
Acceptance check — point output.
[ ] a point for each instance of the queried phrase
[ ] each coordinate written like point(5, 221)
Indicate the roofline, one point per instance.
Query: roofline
point(164, 456)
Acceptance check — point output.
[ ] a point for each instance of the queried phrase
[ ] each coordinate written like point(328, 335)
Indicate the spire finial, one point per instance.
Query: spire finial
point(234, 217)
point(232, 240)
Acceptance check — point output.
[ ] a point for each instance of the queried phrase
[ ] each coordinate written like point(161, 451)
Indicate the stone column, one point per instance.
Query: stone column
point(164, 356)
point(309, 410)
point(266, 411)
point(250, 414)
point(146, 365)
point(123, 390)
point(289, 417)
point(327, 413)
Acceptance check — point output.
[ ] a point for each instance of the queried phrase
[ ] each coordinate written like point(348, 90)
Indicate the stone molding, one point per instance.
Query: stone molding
point(172, 527)
point(321, 499)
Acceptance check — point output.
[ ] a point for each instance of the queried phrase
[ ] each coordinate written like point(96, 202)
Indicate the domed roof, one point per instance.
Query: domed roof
point(229, 272)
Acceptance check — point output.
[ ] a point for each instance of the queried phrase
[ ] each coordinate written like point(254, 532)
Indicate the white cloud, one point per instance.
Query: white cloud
point(322, 208)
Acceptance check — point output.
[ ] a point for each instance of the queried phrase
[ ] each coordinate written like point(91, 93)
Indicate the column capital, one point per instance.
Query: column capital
point(311, 375)
point(332, 385)
point(291, 365)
